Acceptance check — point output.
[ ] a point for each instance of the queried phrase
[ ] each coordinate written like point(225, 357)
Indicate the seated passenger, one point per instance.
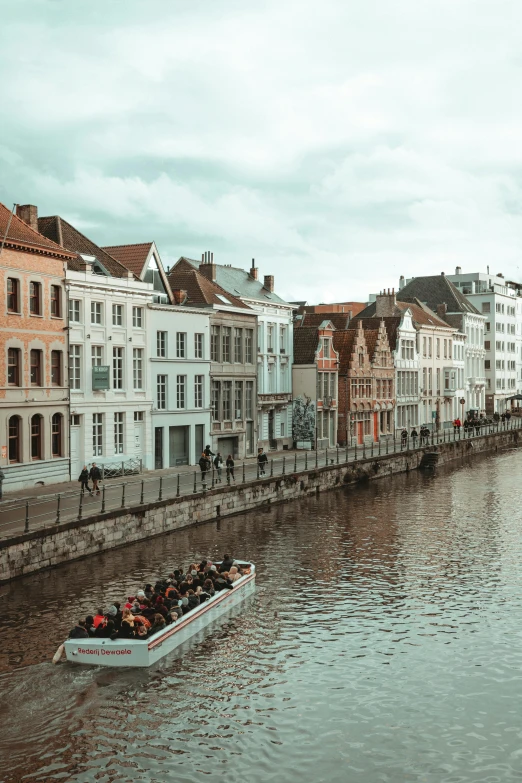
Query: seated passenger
point(234, 574)
point(185, 605)
point(127, 629)
point(98, 618)
point(79, 631)
point(159, 624)
point(208, 587)
point(89, 625)
point(193, 599)
point(226, 564)
point(149, 592)
point(105, 630)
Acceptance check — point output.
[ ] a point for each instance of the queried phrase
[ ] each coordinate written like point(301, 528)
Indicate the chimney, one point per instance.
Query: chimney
point(29, 214)
point(442, 309)
point(458, 270)
point(268, 283)
point(180, 296)
point(207, 266)
point(402, 282)
point(385, 304)
point(254, 270)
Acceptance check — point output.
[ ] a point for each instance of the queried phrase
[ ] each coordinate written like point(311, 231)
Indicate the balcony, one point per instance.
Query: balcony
point(476, 380)
point(449, 392)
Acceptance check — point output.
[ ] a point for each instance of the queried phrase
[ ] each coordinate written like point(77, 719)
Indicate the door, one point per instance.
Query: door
point(333, 439)
point(158, 448)
point(179, 446)
point(360, 433)
point(138, 439)
point(271, 440)
point(77, 462)
point(250, 438)
point(376, 426)
point(200, 434)
point(227, 446)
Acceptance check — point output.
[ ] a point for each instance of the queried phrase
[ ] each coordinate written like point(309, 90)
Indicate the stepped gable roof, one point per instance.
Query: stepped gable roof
point(58, 229)
point(435, 290)
point(22, 236)
point(133, 257)
point(421, 313)
point(239, 282)
point(339, 320)
point(371, 336)
point(200, 290)
point(343, 342)
point(391, 324)
point(306, 343)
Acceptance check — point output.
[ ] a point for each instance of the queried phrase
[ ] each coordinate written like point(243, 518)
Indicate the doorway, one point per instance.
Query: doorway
point(271, 440)
point(178, 446)
point(360, 433)
point(200, 435)
point(158, 448)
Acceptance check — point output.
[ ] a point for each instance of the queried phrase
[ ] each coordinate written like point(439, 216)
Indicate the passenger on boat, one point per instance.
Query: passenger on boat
point(234, 574)
point(105, 630)
point(98, 618)
point(79, 631)
point(149, 592)
point(226, 563)
point(127, 630)
point(89, 625)
point(159, 624)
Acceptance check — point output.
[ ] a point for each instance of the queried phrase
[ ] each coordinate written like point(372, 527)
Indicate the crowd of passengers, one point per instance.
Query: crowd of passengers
point(156, 606)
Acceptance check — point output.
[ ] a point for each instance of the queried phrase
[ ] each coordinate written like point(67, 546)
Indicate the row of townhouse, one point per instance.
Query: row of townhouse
point(110, 359)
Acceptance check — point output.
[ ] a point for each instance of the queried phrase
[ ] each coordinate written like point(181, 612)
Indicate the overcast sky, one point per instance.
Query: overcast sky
point(341, 143)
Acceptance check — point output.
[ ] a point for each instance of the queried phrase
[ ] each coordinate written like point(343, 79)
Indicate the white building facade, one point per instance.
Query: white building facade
point(179, 367)
point(407, 364)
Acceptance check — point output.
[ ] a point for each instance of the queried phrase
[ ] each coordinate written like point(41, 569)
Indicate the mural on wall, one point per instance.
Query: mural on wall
point(303, 423)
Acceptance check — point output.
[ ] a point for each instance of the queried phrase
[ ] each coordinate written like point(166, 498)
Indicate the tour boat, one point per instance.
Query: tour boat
point(145, 652)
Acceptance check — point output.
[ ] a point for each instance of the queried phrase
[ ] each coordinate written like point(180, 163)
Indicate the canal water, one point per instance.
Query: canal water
point(384, 643)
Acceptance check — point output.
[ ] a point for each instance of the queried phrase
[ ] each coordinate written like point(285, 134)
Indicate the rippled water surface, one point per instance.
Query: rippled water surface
point(383, 644)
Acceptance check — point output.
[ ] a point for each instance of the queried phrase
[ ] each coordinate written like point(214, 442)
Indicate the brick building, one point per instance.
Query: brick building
point(34, 396)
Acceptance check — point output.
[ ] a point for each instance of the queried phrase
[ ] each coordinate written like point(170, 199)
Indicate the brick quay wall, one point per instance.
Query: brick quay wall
point(44, 548)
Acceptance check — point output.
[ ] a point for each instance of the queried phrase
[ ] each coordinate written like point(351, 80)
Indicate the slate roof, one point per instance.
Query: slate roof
point(200, 290)
point(422, 315)
point(343, 342)
point(60, 231)
point(21, 235)
point(339, 320)
point(239, 282)
point(371, 337)
point(435, 290)
point(306, 342)
point(133, 257)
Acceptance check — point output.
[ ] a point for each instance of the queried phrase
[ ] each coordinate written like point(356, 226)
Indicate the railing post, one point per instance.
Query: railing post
point(58, 499)
point(295, 462)
point(141, 466)
point(195, 481)
point(244, 478)
point(387, 445)
point(346, 452)
point(432, 436)
point(103, 498)
point(122, 469)
point(80, 507)
point(283, 466)
point(212, 476)
point(123, 495)
point(26, 526)
point(177, 487)
point(306, 459)
point(103, 472)
point(257, 476)
point(271, 467)
point(355, 454)
point(141, 493)
point(160, 496)
point(337, 454)
point(326, 456)
point(364, 448)
point(316, 456)
point(379, 447)
point(372, 448)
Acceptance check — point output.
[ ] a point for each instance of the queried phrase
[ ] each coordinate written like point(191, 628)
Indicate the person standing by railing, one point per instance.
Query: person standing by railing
point(230, 468)
point(262, 459)
point(95, 476)
point(218, 462)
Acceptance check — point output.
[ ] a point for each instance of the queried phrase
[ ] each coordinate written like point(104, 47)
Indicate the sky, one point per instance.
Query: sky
point(339, 143)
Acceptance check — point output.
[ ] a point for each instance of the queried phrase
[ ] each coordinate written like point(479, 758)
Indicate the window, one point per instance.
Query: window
point(117, 368)
point(487, 326)
point(35, 298)
point(96, 355)
point(271, 377)
point(181, 384)
point(181, 343)
point(361, 358)
point(424, 346)
point(74, 311)
point(117, 315)
point(238, 345)
point(36, 368)
point(282, 340)
point(96, 312)
point(270, 338)
point(137, 368)
point(437, 391)
point(216, 388)
point(438, 348)
point(56, 435)
point(226, 344)
point(13, 367)
point(198, 346)
point(161, 344)
point(214, 344)
point(161, 392)
point(97, 434)
point(249, 346)
point(56, 301)
point(238, 407)
point(138, 416)
point(429, 347)
point(198, 391)
point(498, 307)
point(486, 307)
point(118, 433)
point(13, 295)
point(249, 399)
point(14, 439)
point(487, 345)
point(137, 317)
point(282, 429)
point(74, 367)
point(36, 436)
point(56, 368)
point(227, 401)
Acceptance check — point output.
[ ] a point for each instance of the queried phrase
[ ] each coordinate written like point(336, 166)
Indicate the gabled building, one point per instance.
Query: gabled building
point(233, 356)
point(34, 394)
point(274, 345)
point(315, 387)
point(110, 393)
point(144, 261)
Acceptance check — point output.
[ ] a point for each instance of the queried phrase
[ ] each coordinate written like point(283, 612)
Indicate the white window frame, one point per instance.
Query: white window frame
point(97, 434)
point(117, 315)
point(137, 368)
point(137, 317)
point(181, 392)
point(198, 391)
point(117, 367)
point(97, 313)
point(75, 367)
point(118, 433)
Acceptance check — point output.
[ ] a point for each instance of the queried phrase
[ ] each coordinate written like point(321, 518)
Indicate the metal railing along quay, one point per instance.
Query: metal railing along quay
point(48, 510)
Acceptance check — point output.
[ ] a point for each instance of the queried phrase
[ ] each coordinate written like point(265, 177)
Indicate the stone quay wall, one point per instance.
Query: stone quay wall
point(34, 551)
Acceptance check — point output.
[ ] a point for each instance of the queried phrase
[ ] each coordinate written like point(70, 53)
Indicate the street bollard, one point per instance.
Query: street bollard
point(387, 445)
point(195, 481)
point(142, 492)
point(316, 456)
point(283, 466)
point(244, 478)
point(212, 476)
point(346, 453)
point(123, 495)
point(103, 498)
point(26, 527)
point(160, 496)
point(257, 470)
point(271, 468)
point(326, 456)
point(123, 469)
point(295, 462)
point(228, 478)
point(379, 447)
point(306, 459)
point(177, 487)
point(58, 499)
point(80, 507)
point(355, 454)
point(372, 449)
point(364, 448)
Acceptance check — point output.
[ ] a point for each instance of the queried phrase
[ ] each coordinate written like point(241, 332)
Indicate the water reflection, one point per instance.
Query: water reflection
point(382, 643)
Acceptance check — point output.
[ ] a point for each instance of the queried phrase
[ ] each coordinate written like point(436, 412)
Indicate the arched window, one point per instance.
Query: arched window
point(36, 437)
point(361, 358)
point(15, 444)
point(57, 435)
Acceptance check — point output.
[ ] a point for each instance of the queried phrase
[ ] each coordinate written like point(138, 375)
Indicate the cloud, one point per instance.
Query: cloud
point(340, 144)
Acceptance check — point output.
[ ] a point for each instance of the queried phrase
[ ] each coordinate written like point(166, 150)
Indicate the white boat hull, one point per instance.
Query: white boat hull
point(134, 652)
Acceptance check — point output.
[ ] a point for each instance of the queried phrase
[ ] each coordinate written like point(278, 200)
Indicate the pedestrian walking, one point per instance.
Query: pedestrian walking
point(83, 478)
point(218, 462)
point(95, 477)
point(204, 464)
point(262, 459)
point(414, 435)
point(230, 468)
point(404, 438)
